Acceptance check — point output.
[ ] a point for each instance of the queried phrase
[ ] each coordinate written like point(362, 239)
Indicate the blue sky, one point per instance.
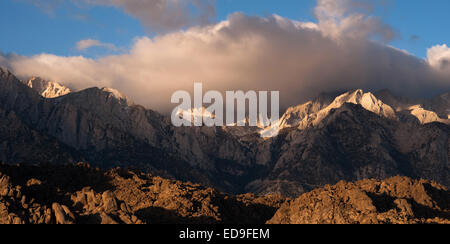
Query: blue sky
point(30, 30)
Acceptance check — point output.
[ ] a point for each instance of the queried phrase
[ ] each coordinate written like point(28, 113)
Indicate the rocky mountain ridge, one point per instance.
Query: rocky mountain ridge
point(350, 137)
point(353, 144)
point(382, 103)
point(47, 89)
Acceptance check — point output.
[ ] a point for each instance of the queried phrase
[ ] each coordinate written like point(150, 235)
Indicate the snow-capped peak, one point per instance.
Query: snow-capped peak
point(118, 95)
point(195, 113)
point(366, 100)
point(313, 112)
point(47, 89)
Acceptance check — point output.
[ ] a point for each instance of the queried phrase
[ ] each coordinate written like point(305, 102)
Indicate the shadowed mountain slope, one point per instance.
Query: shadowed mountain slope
point(352, 136)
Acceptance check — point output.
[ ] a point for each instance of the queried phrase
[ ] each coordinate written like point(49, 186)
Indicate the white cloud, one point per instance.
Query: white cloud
point(242, 53)
point(439, 57)
point(89, 43)
point(351, 18)
point(252, 53)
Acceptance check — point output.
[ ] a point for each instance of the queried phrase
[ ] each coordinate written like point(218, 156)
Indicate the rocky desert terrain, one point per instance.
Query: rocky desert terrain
point(397, 200)
point(80, 194)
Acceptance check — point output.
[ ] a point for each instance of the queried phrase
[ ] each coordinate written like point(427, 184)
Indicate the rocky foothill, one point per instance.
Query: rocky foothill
point(398, 200)
point(80, 194)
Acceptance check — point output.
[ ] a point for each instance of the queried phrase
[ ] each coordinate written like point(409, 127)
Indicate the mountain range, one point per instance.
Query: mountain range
point(354, 135)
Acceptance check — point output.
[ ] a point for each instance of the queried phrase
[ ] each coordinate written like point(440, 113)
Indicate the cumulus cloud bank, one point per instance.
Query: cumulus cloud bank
point(251, 53)
point(439, 57)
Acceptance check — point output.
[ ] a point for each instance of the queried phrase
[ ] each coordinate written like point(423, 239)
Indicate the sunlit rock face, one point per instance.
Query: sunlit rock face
point(350, 136)
point(47, 89)
point(391, 201)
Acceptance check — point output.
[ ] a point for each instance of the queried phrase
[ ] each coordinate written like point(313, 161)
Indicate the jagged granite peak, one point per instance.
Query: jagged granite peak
point(425, 116)
point(382, 103)
point(313, 112)
point(295, 115)
point(118, 95)
point(6, 74)
point(47, 89)
point(99, 95)
point(298, 115)
point(424, 111)
point(441, 105)
point(367, 100)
